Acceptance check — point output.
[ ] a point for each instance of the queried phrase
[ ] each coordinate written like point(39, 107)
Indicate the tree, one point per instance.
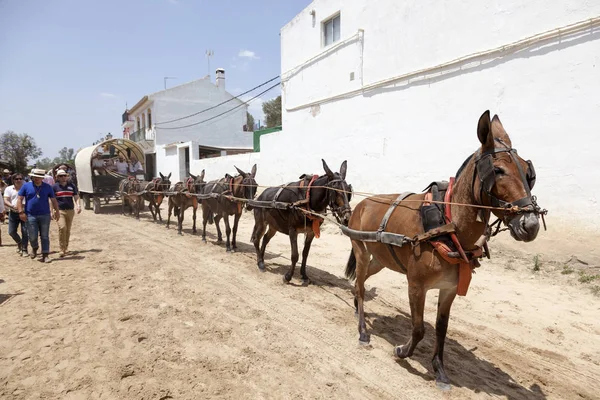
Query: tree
point(249, 122)
point(18, 149)
point(45, 163)
point(272, 110)
point(66, 155)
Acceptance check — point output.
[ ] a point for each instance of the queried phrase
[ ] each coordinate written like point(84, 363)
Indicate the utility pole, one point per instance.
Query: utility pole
point(209, 54)
point(165, 80)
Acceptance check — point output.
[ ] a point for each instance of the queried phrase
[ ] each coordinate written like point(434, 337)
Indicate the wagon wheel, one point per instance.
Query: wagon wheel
point(96, 205)
point(86, 202)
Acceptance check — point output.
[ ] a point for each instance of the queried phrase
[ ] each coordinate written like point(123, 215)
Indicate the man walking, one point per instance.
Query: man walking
point(36, 212)
point(11, 195)
point(65, 193)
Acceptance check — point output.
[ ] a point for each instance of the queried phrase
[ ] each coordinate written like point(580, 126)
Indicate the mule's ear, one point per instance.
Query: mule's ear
point(202, 175)
point(484, 130)
point(327, 170)
point(161, 176)
point(227, 176)
point(169, 176)
point(253, 172)
point(343, 169)
point(193, 176)
point(242, 173)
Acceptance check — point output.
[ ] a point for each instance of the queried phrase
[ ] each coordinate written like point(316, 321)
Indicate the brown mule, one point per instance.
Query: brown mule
point(493, 176)
point(185, 196)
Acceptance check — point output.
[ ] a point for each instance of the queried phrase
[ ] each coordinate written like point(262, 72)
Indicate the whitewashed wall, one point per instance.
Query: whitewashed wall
point(403, 136)
point(217, 167)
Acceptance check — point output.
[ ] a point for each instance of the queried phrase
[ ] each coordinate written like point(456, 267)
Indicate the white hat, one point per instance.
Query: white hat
point(6, 171)
point(61, 172)
point(40, 173)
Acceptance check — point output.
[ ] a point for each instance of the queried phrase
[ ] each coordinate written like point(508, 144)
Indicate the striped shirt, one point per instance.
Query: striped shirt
point(64, 195)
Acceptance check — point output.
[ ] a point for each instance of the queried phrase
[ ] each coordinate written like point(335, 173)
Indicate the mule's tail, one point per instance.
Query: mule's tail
point(176, 211)
point(211, 218)
point(351, 266)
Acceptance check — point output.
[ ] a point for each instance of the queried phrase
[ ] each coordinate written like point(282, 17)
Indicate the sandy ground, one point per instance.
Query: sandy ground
point(139, 312)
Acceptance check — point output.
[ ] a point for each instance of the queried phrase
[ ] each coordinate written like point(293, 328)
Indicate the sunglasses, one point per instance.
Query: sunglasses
point(18, 179)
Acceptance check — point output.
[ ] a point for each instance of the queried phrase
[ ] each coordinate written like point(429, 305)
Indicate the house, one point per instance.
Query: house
point(188, 122)
point(397, 88)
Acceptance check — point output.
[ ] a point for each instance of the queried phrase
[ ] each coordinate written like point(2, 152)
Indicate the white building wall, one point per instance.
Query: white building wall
point(216, 168)
point(403, 136)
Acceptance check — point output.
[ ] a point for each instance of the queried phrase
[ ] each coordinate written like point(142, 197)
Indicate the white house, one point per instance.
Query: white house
point(397, 87)
point(186, 123)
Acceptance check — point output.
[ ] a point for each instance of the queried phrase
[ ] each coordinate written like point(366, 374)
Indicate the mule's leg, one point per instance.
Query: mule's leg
point(362, 265)
point(266, 239)
point(294, 242)
point(445, 300)
point(158, 212)
point(218, 217)
point(416, 298)
point(373, 268)
point(170, 207)
point(194, 218)
point(236, 219)
point(307, 242)
point(180, 220)
point(227, 231)
point(205, 211)
point(258, 232)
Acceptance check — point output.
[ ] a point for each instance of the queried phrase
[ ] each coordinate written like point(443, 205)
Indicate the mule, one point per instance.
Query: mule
point(318, 193)
point(130, 190)
point(154, 194)
point(218, 207)
point(184, 198)
point(493, 176)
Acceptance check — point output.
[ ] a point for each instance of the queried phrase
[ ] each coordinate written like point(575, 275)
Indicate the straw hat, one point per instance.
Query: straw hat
point(61, 172)
point(6, 171)
point(39, 173)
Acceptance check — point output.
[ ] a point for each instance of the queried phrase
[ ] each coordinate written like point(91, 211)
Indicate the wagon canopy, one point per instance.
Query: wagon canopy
point(83, 159)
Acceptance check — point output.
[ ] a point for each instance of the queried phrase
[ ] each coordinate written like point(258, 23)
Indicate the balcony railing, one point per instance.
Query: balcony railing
point(142, 135)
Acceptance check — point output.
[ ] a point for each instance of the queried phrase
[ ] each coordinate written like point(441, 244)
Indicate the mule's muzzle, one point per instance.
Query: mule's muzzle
point(524, 227)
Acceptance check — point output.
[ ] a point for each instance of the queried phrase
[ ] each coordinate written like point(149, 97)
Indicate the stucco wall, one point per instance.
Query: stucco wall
point(403, 136)
point(217, 167)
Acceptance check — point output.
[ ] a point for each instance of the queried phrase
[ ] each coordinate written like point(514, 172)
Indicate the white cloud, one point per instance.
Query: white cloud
point(248, 54)
point(105, 94)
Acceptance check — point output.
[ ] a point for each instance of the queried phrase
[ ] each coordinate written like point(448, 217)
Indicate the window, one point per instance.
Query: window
point(149, 119)
point(144, 121)
point(331, 30)
point(138, 124)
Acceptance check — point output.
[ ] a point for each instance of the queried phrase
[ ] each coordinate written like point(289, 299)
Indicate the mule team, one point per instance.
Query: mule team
point(494, 179)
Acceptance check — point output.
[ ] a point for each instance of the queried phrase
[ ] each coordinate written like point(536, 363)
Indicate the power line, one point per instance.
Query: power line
point(225, 112)
point(215, 106)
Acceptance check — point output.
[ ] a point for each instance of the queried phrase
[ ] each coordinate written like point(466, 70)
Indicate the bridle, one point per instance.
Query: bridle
point(340, 213)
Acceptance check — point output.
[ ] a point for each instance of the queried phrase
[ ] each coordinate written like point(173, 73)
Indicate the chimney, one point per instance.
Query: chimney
point(220, 79)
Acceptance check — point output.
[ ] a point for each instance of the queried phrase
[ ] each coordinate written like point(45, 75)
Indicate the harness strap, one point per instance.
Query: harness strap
point(383, 224)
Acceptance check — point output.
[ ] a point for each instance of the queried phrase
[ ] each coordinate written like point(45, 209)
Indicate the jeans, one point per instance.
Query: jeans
point(13, 224)
point(39, 224)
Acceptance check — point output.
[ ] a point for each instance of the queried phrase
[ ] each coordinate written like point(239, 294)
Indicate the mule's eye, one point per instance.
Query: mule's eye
point(498, 171)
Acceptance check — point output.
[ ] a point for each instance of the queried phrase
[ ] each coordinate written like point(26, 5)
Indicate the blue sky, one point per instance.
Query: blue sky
point(67, 67)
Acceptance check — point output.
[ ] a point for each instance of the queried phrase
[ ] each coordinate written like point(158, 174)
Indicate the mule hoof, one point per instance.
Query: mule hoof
point(194, 231)
point(204, 240)
point(228, 250)
point(443, 386)
point(306, 281)
point(261, 266)
point(287, 278)
point(180, 234)
point(364, 339)
point(219, 241)
point(401, 352)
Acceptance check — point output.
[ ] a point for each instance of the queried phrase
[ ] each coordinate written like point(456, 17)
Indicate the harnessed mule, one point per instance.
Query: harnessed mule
point(130, 190)
point(216, 206)
point(314, 194)
point(443, 257)
point(154, 198)
point(184, 198)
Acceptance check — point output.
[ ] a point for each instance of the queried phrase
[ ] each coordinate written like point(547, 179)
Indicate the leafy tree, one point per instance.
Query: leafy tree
point(18, 149)
point(272, 110)
point(66, 155)
point(45, 163)
point(249, 122)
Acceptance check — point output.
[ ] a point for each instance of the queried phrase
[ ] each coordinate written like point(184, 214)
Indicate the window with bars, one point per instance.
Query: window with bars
point(331, 30)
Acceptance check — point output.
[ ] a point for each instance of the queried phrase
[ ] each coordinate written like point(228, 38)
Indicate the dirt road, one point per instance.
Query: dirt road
point(139, 312)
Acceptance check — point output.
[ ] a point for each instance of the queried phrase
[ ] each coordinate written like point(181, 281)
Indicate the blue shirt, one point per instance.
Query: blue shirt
point(64, 195)
point(33, 204)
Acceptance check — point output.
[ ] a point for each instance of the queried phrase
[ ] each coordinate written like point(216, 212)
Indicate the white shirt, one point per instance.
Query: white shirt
point(121, 167)
point(137, 166)
point(12, 195)
point(97, 163)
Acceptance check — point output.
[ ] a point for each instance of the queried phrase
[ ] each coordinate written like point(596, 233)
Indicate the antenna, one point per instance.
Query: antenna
point(209, 54)
point(165, 80)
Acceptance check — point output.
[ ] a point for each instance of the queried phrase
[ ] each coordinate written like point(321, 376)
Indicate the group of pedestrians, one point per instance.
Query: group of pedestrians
point(33, 205)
